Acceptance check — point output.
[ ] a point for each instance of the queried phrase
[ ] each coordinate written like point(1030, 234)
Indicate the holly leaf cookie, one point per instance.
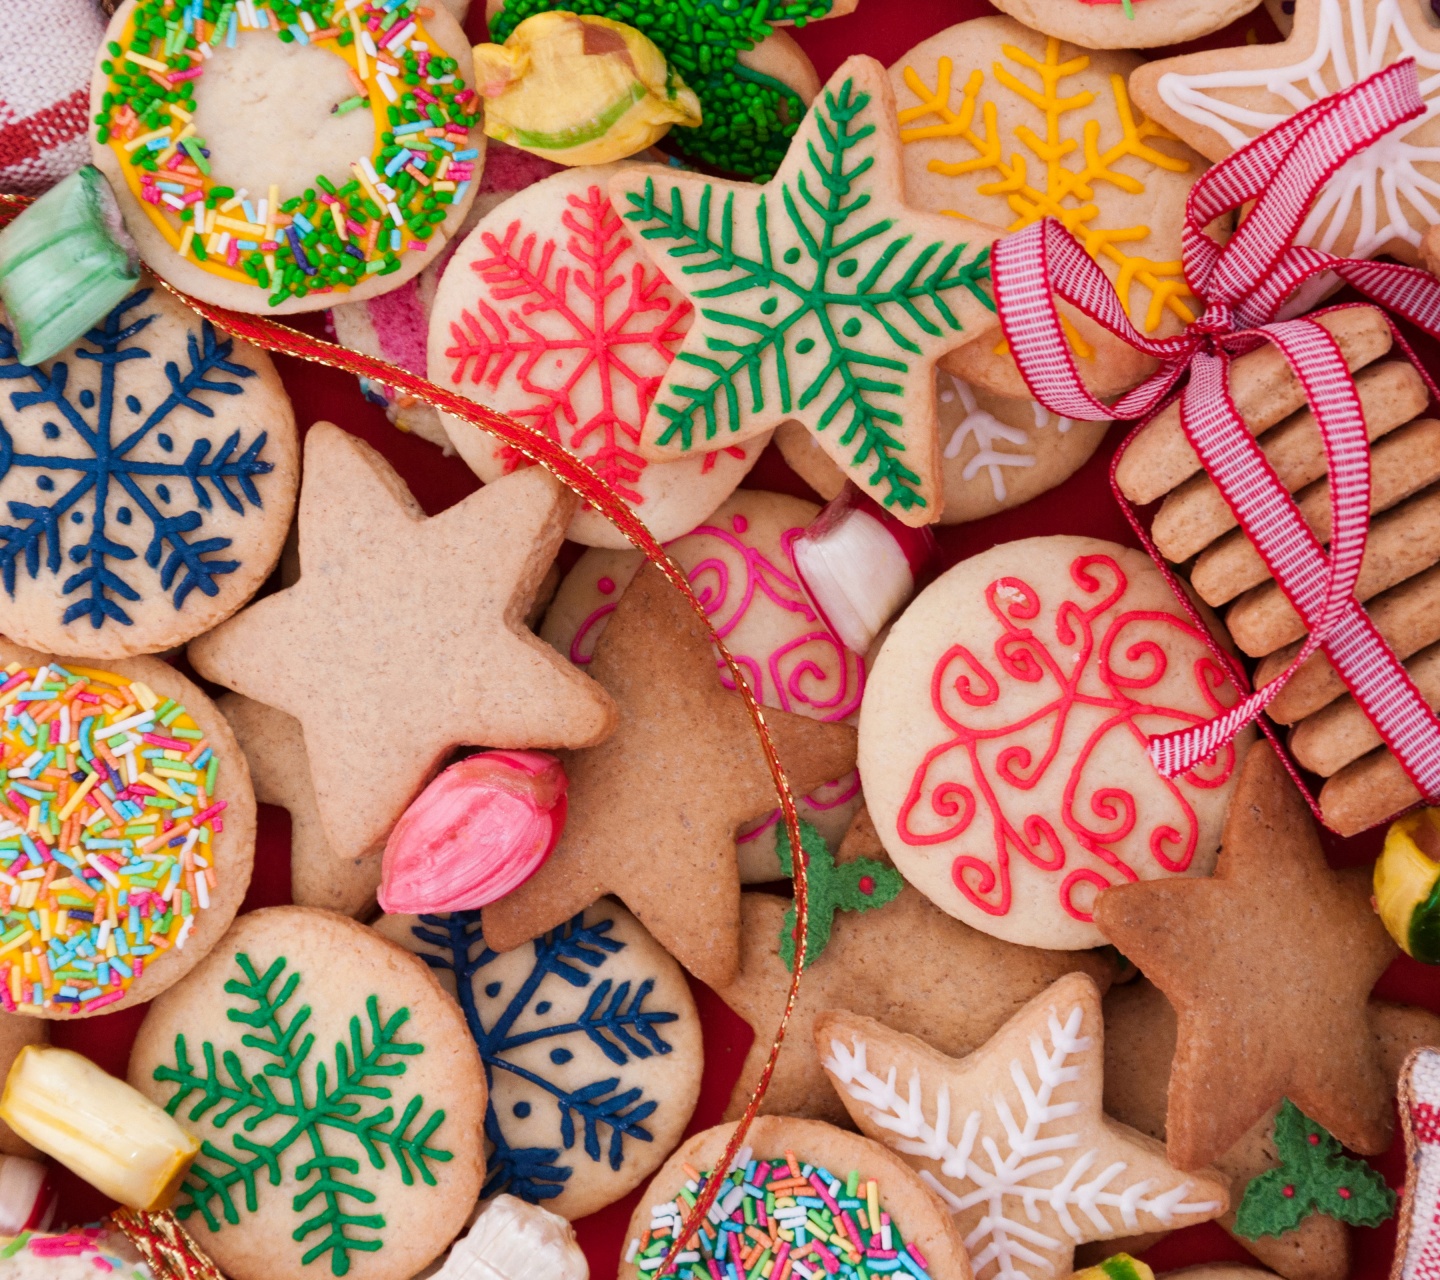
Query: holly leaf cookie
point(654, 810)
point(821, 297)
point(1013, 1137)
point(881, 962)
point(404, 636)
point(1379, 201)
point(1277, 1008)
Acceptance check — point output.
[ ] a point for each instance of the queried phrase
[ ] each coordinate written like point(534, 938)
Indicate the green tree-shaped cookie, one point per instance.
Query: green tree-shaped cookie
point(861, 885)
point(1314, 1176)
point(317, 1108)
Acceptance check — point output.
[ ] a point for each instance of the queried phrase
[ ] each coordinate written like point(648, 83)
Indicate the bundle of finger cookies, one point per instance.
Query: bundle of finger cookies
point(1054, 1004)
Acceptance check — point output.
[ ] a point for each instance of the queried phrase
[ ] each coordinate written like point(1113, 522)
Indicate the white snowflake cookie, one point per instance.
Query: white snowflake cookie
point(1379, 201)
point(997, 451)
point(591, 1044)
point(1013, 1137)
point(147, 478)
point(549, 312)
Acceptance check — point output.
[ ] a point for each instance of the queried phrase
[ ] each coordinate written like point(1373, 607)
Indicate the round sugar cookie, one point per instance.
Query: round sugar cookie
point(1005, 125)
point(592, 1020)
point(79, 1253)
point(780, 1157)
point(1004, 731)
point(149, 474)
point(1118, 24)
point(739, 564)
point(997, 451)
point(298, 145)
point(550, 312)
point(135, 727)
point(348, 1137)
point(1282, 12)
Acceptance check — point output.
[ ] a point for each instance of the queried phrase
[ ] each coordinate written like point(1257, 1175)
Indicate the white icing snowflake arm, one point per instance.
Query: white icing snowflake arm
point(988, 431)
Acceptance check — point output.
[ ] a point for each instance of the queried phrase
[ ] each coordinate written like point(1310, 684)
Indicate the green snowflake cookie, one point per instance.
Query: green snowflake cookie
point(820, 296)
point(1314, 1177)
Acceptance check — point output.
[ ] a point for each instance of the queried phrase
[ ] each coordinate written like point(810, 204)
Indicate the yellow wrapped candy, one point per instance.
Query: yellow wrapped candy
point(580, 90)
point(1118, 1266)
point(1407, 884)
point(99, 1127)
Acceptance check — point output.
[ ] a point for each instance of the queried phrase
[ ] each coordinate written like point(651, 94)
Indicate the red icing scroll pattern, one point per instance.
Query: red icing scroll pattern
point(585, 314)
point(1088, 705)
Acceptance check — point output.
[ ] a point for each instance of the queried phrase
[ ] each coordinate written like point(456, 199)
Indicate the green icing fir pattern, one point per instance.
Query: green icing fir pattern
point(749, 117)
point(1314, 1176)
point(814, 301)
point(305, 1107)
point(860, 885)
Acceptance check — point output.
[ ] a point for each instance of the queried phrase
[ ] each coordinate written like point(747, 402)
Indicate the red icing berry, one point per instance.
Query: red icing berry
point(606, 585)
point(1344, 1193)
point(1287, 1192)
point(867, 885)
point(1314, 1139)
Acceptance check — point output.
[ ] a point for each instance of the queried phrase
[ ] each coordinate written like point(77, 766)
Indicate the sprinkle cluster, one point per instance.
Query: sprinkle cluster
point(328, 237)
point(78, 1242)
point(782, 1220)
point(106, 822)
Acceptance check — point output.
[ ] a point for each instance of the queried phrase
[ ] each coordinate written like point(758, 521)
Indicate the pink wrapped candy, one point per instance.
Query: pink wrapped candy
point(481, 829)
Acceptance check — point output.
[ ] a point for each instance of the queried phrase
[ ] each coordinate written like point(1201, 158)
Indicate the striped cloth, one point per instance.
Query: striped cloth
point(45, 89)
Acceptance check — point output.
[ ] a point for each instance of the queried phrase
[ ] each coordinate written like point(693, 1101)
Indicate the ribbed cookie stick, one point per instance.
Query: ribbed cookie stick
point(1265, 390)
point(1401, 464)
point(1366, 792)
point(1402, 542)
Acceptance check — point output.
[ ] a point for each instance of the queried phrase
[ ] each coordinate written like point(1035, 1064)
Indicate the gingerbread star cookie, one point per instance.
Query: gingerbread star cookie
point(1014, 1137)
point(274, 747)
point(654, 810)
point(821, 296)
point(404, 637)
point(1379, 201)
point(858, 971)
point(1278, 1007)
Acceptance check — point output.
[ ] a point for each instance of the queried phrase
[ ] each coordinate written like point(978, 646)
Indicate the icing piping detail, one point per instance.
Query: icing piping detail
point(988, 431)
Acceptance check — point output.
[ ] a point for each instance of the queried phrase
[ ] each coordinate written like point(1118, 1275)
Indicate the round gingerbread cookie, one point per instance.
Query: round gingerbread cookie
point(591, 1044)
point(1004, 731)
point(549, 312)
point(739, 564)
point(148, 473)
point(997, 451)
point(1126, 24)
point(127, 828)
point(1005, 125)
point(813, 1182)
point(337, 1094)
point(276, 167)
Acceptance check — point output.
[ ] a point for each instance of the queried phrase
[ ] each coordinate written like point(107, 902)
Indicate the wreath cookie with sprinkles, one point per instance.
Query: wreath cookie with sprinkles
point(127, 832)
point(269, 156)
point(829, 1203)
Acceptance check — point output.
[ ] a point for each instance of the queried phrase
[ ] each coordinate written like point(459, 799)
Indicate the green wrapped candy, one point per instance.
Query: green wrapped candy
point(64, 263)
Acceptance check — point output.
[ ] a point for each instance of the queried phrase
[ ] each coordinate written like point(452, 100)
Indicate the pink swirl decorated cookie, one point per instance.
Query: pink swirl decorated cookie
point(1004, 731)
point(739, 563)
point(550, 313)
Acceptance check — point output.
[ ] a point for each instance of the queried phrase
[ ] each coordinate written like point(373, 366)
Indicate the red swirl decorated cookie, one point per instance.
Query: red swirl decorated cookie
point(1004, 730)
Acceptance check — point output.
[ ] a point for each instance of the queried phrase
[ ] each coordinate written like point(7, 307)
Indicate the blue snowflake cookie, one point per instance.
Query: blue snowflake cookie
point(147, 480)
point(591, 1044)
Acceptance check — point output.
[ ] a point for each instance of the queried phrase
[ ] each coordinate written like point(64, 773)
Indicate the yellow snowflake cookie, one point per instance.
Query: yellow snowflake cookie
point(1006, 126)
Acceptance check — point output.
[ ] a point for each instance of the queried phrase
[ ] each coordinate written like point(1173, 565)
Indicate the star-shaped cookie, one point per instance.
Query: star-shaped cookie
point(820, 296)
point(881, 961)
point(1269, 965)
point(274, 747)
point(653, 810)
point(404, 637)
point(1379, 201)
point(1014, 1137)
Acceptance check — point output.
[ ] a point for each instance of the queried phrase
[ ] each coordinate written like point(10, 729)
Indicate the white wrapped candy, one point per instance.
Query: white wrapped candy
point(512, 1240)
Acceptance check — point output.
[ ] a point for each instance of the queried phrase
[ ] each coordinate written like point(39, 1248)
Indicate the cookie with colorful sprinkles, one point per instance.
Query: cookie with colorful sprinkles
point(828, 1202)
point(127, 832)
point(279, 158)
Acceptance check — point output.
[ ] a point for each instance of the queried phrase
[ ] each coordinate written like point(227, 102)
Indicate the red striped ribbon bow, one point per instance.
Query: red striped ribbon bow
point(1244, 284)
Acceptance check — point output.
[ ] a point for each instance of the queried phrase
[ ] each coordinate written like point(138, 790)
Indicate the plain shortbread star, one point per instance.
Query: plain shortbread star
point(1269, 965)
point(820, 296)
point(405, 636)
point(1014, 1137)
point(654, 810)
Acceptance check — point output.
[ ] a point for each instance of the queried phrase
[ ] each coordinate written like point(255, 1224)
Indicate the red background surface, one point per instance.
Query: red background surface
point(885, 29)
